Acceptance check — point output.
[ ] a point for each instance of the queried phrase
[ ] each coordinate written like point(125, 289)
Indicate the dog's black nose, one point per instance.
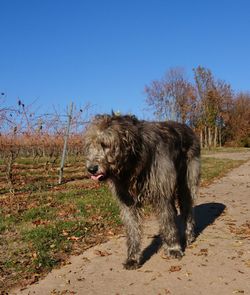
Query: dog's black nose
point(93, 169)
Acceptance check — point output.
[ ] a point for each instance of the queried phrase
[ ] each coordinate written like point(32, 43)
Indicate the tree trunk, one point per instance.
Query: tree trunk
point(201, 138)
point(215, 136)
point(209, 137)
point(220, 140)
point(205, 137)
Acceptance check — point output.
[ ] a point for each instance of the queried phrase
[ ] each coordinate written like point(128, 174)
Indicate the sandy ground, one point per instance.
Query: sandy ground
point(218, 262)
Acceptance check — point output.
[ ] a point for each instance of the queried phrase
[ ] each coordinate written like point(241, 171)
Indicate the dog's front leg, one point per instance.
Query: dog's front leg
point(131, 217)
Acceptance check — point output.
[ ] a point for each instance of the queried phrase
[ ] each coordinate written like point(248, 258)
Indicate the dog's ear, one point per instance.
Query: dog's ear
point(130, 140)
point(103, 121)
point(127, 137)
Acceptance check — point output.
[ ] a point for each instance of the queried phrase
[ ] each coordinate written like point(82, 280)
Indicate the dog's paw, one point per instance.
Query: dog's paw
point(190, 240)
point(131, 264)
point(174, 253)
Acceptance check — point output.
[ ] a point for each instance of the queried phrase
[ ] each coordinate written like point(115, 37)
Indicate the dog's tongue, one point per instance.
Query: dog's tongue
point(97, 177)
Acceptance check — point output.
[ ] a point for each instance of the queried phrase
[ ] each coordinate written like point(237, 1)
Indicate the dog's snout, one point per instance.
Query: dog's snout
point(93, 169)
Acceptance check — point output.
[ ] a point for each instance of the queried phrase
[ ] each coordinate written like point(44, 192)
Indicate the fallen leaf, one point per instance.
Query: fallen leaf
point(111, 233)
point(74, 238)
point(203, 252)
point(65, 233)
point(175, 268)
point(238, 291)
point(188, 273)
point(102, 253)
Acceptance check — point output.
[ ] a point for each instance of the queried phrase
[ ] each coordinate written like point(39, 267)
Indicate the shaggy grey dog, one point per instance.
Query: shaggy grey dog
point(146, 162)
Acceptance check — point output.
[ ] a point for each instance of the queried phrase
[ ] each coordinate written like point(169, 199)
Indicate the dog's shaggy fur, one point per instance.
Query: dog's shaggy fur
point(146, 162)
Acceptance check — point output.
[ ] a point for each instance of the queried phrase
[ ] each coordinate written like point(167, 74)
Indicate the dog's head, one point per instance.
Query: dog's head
point(111, 142)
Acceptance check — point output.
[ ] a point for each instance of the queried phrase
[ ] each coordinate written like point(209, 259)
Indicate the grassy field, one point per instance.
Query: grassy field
point(42, 223)
point(224, 150)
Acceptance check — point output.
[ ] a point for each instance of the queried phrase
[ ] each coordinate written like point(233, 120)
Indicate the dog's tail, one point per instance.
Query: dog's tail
point(193, 176)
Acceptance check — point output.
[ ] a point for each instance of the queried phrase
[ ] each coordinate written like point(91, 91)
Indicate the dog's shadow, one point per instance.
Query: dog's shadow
point(205, 214)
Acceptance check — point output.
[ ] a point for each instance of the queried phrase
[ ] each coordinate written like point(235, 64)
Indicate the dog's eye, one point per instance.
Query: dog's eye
point(104, 146)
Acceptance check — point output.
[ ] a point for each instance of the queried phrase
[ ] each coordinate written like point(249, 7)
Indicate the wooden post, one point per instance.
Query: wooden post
point(66, 136)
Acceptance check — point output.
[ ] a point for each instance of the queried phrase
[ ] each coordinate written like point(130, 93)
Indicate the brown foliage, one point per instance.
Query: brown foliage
point(239, 120)
point(209, 105)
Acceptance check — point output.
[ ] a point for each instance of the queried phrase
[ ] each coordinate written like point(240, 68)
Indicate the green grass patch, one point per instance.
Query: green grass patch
point(213, 168)
point(8, 222)
point(206, 151)
point(81, 214)
point(32, 161)
point(40, 229)
point(44, 213)
point(45, 241)
point(96, 204)
point(37, 186)
point(2, 224)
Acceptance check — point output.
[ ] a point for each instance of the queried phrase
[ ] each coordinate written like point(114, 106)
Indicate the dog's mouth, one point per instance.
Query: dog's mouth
point(99, 177)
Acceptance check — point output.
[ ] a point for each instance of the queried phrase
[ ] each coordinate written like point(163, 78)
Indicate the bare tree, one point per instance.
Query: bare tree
point(204, 82)
point(214, 98)
point(172, 97)
point(225, 102)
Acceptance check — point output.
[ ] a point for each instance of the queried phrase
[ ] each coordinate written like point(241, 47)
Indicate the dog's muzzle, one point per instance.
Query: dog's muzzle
point(95, 175)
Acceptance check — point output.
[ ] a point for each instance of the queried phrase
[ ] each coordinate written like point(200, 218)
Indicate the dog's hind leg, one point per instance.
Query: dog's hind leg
point(193, 178)
point(186, 210)
point(168, 228)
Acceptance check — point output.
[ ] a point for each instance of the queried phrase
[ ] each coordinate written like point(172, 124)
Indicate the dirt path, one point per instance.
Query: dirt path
point(217, 263)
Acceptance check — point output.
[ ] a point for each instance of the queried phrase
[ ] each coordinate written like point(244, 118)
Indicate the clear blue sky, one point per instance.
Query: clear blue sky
point(105, 51)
